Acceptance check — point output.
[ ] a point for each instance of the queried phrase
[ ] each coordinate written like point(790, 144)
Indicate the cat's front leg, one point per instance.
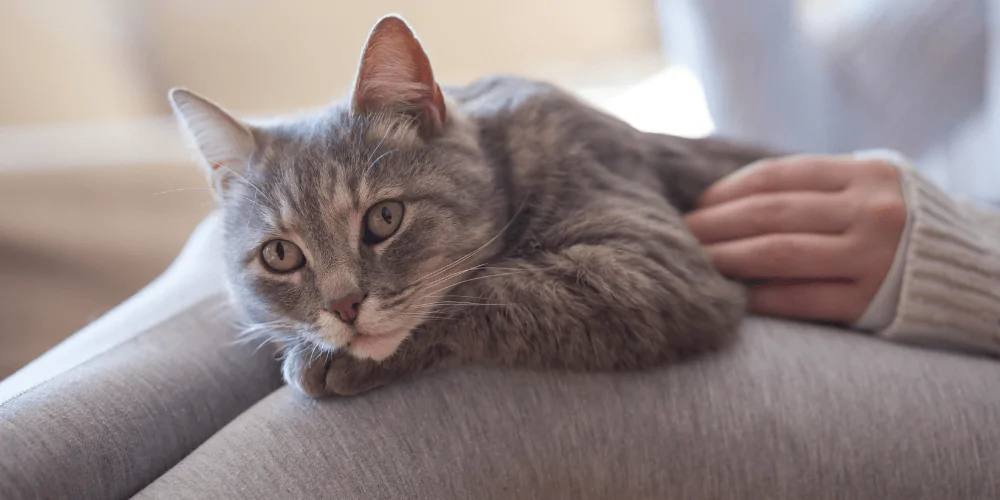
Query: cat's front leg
point(305, 369)
point(334, 374)
point(348, 375)
point(616, 305)
point(342, 374)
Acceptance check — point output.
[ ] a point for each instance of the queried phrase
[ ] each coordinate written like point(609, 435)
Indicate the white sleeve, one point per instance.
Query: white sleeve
point(764, 82)
point(914, 69)
point(894, 73)
point(943, 288)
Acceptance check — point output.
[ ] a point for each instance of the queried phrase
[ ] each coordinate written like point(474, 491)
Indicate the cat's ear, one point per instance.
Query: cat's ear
point(225, 143)
point(395, 76)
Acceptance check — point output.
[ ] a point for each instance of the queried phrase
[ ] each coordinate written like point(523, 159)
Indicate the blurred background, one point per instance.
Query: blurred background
point(98, 191)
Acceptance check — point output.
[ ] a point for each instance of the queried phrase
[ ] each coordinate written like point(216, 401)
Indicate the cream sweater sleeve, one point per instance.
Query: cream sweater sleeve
point(946, 275)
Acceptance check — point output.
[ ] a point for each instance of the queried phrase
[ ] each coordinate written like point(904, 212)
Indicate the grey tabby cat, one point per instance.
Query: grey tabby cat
point(505, 222)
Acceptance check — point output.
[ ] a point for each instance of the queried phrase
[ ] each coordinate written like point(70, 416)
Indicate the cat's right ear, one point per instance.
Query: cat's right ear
point(395, 75)
point(224, 143)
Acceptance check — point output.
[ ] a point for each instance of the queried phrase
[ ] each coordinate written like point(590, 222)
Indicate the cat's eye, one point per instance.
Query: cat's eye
point(282, 256)
point(382, 221)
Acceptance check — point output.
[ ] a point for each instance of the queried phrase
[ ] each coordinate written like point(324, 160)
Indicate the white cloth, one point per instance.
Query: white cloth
point(918, 76)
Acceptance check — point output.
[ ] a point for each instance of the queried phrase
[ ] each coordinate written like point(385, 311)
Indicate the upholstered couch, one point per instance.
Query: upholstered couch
point(158, 399)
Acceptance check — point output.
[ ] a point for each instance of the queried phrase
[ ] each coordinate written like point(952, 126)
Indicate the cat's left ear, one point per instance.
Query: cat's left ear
point(225, 143)
point(395, 76)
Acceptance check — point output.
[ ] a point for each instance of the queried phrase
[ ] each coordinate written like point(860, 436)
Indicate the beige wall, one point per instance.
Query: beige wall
point(63, 61)
point(68, 60)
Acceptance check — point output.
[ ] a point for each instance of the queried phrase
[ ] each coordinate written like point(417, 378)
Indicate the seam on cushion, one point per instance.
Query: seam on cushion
point(142, 333)
point(217, 431)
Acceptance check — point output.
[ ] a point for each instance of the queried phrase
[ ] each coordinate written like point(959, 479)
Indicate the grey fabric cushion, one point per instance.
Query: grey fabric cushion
point(111, 425)
point(792, 412)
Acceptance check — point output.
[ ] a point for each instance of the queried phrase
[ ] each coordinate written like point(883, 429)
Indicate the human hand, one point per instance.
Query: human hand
point(814, 236)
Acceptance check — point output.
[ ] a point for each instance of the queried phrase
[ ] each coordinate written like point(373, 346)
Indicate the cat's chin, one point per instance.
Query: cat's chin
point(376, 347)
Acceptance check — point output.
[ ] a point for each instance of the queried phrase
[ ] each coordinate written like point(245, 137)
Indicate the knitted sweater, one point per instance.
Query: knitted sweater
point(943, 288)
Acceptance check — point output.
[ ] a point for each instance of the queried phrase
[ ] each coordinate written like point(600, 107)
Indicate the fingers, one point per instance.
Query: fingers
point(813, 237)
point(792, 212)
point(813, 256)
point(823, 301)
point(793, 173)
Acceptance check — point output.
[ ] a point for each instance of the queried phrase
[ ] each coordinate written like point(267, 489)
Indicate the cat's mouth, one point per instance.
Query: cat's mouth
point(375, 346)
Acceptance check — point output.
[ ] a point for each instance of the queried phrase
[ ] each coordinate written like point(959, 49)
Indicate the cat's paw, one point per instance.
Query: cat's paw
point(348, 376)
point(332, 374)
point(307, 373)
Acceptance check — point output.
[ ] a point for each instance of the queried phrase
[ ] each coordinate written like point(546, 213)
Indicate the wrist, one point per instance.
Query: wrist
point(950, 291)
point(881, 311)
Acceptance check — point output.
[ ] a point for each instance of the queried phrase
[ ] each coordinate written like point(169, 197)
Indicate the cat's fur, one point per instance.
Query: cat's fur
point(537, 232)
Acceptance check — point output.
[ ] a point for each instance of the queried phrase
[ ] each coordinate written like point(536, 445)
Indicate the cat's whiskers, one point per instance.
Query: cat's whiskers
point(383, 155)
point(450, 276)
point(313, 354)
point(184, 189)
point(454, 304)
point(279, 330)
point(423, 317)
point(270, 340)
point(456, 296)
point(474, 279)
point(257, 191)
point(420, 287)
point(446, 268)
point(247, 181)
point(484, 245)
point(465, 258)
point(250, 215)
point(293, 347)
point(384, 135)
point(251, 334)
point(482, 266)
point(265, 341)
point(196, 189)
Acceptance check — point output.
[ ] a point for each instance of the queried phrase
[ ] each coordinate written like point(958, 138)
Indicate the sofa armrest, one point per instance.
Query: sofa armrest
point(120, 402)
point(193, 277)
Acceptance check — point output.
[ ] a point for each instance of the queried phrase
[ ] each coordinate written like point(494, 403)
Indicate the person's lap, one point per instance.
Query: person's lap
point(791, 411)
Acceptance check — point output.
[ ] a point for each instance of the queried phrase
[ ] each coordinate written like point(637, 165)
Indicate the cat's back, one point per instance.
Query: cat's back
point(504, 101)
point(497, 95)
point(538, 118)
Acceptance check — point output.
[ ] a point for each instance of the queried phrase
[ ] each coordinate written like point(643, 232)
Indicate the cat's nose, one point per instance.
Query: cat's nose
point(346, 308)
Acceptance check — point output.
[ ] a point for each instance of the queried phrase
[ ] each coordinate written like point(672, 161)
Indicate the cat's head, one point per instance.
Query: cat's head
point(345, 227)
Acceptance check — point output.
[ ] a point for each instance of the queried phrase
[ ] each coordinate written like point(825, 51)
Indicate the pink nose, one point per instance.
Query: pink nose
point(346, 308)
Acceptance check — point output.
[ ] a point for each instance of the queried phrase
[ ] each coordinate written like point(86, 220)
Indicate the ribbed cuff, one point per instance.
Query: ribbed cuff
point(882, 309)
point(950, 292)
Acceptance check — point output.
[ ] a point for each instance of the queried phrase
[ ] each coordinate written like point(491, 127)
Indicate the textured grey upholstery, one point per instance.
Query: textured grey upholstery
point(793, 412)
